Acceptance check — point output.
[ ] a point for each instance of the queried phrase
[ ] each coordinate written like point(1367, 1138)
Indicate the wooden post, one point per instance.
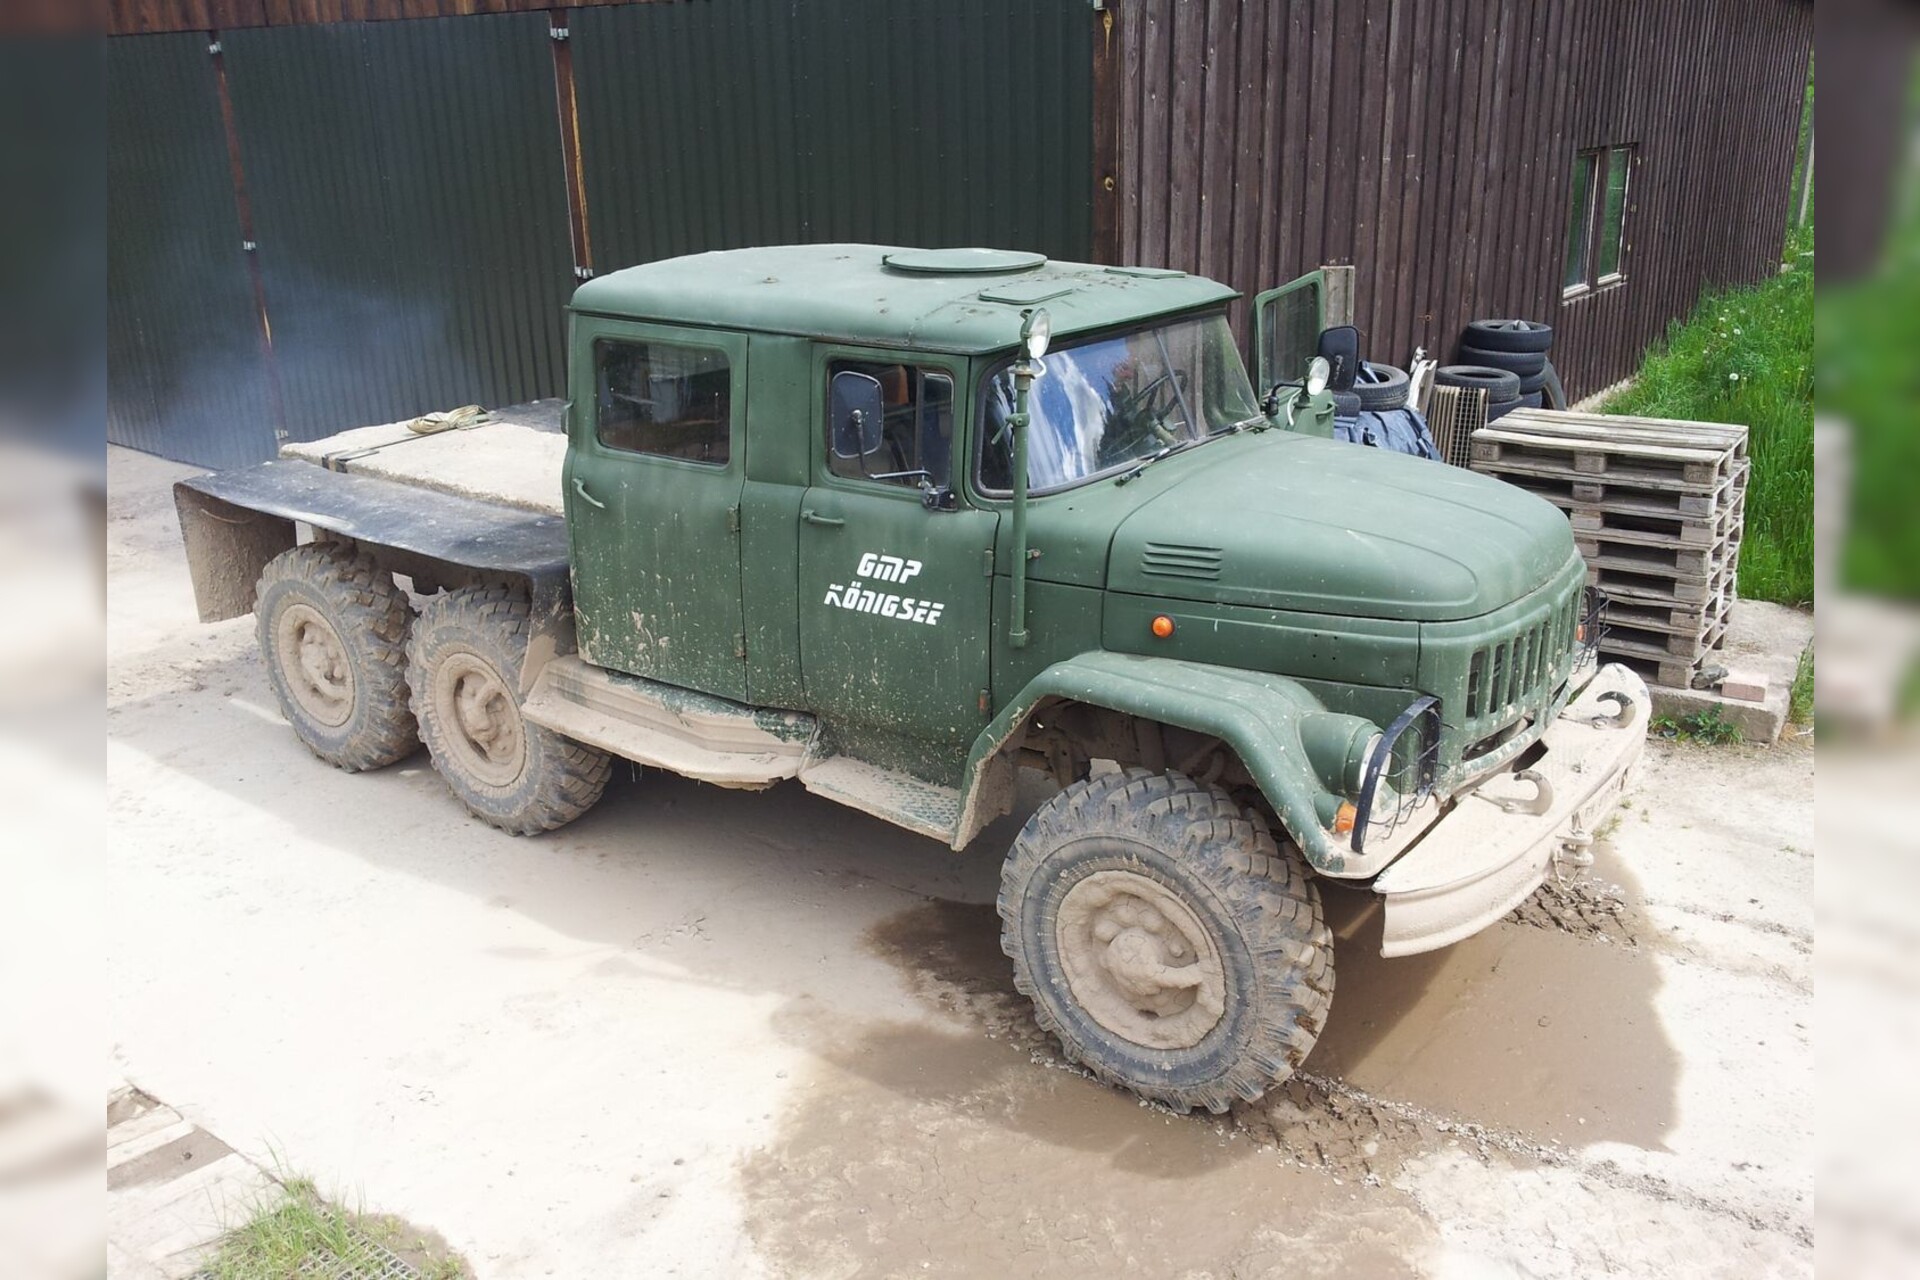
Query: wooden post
point(1338, 302)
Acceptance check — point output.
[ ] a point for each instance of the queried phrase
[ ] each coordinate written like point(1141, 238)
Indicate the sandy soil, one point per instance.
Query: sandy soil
point(702, 1032)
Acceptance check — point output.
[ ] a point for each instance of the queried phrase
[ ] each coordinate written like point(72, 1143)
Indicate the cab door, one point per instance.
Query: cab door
point(1286, 329)
point(895, 585)
point(654, 475)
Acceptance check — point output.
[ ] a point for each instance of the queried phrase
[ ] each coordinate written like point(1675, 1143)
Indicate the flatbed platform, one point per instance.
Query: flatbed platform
point(513, 459)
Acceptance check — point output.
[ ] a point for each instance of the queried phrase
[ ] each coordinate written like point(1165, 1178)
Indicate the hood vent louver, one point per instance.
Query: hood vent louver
point(1177, 560)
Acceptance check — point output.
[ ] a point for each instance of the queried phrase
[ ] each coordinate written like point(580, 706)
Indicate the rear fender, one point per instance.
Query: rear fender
point(233, 522)
point(1262, 717)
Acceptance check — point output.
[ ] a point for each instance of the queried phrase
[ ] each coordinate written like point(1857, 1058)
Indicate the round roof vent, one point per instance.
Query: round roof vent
point(963, 262)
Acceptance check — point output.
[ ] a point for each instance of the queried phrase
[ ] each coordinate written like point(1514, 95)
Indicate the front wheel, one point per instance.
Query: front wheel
point(1165, 941)
point(465, 659)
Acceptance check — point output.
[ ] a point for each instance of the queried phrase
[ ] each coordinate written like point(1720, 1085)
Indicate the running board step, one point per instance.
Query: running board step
point(900, 798)
point(679, 730)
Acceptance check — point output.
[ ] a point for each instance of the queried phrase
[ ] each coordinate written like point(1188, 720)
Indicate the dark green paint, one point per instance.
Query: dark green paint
point(656, 540)
point(1316, 588)
point(845, 293)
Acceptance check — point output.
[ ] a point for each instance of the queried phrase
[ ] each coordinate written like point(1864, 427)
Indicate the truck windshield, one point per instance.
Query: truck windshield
point(1110, 403)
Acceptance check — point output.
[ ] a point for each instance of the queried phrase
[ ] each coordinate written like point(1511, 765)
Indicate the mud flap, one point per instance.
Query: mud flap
point(1503, 839)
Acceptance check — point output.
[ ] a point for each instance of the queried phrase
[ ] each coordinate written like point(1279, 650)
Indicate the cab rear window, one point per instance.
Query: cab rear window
point(670, 399)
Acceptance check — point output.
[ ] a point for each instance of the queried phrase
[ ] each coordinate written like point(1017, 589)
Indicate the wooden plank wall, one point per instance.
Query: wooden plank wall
point(138, 17)
point(1430, 143)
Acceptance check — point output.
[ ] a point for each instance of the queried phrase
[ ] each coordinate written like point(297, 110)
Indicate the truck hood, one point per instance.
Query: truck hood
point(1319, 526)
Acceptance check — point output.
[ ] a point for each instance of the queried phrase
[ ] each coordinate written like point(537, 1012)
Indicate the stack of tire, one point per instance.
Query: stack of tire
point(1505, 358)
point(1376, 413)
point(1379, 387)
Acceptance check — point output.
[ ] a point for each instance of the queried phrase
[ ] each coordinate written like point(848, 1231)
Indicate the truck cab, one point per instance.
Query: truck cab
point(903, 524)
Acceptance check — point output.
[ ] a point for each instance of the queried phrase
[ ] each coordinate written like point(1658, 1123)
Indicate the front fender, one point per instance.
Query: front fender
point(1260, 716)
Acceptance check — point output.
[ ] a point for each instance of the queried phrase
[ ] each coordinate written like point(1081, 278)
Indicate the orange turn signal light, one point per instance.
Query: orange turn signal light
point(1344, 817)
point(1163, 626)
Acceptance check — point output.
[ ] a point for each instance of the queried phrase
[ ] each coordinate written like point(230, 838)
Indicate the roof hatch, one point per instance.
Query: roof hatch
point(963, 262)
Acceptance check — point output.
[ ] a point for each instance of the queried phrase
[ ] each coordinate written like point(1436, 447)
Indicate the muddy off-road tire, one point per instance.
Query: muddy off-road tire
point(1165, 941)
point(332, 626)
point(465, 658)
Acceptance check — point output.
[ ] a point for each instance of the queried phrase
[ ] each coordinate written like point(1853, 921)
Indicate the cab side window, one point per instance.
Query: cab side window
point(664, 398)
point(916, 440)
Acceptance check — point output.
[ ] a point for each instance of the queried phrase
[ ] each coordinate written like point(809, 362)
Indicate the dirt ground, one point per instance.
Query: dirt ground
point(707, 1033)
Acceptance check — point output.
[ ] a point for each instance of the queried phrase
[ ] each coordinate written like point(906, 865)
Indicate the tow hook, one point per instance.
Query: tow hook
point(1573, 858)
point(1621, 719)
point(1542, 795)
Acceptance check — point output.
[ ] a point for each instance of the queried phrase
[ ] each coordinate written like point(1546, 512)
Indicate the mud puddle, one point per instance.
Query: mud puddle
point(1515, 1041)
point(918, 1148)
point(912, 1149)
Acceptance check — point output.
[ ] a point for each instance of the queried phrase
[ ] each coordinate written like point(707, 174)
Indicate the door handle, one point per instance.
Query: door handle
point(580, 491)
point(814, 517)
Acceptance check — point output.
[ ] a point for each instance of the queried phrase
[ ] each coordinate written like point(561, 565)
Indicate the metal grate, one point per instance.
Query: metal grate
point(1406, 759)
point(1453, 415)
point(363, 1259)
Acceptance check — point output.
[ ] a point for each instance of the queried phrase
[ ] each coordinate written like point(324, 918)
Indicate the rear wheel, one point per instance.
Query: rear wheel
point(332, 626)
point(1165, 941)
point(465, 660)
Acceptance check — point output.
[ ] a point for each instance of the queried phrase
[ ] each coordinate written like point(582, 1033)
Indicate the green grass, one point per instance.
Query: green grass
point(303, 1230)
point(1709, 727)
point(1868, 332)
point(1746, 356)
point(1800, 696)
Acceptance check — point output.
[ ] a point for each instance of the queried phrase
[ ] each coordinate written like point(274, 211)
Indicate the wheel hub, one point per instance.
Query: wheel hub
point(318, 672)
point(1139, 961)
point(482, 718)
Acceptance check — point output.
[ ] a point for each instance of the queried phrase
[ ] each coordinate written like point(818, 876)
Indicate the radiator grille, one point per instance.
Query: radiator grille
point(1516, 674)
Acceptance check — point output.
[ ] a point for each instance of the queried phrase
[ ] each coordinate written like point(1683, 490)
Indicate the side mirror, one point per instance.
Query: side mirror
point(1341, 347)
point(857, 412)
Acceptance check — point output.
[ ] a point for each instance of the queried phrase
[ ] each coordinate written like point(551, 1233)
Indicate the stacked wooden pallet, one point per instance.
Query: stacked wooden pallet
point(1657, 508)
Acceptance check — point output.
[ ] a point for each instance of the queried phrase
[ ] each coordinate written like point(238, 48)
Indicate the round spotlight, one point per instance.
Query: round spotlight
point(1036, 330)
point(1319, 372)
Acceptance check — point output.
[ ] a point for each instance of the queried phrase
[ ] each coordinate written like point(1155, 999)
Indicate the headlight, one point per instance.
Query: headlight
point(1357, 766)
point(1338, 747)
point(1319, 373)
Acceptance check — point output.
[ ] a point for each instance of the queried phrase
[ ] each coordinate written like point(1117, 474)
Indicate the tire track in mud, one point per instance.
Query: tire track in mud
point(949, 955)
point(1584, 909)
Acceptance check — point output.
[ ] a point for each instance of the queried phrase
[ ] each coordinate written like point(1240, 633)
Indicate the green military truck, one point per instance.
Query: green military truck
point(901, 524)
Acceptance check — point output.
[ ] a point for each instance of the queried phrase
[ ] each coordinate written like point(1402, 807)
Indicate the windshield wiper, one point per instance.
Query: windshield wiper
point(1134, 472)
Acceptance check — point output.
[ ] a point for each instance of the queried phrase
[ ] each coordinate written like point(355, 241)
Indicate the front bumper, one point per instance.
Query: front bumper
point(1503, 837)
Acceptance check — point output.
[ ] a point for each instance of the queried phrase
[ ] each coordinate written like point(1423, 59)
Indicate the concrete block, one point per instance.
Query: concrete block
point(1764, 641)
point(1744, 686)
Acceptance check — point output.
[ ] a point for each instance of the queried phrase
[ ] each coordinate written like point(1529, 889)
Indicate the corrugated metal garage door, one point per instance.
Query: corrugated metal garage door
point(757, 122)
point(411, 213)
point(409, 198)
point(186, 376)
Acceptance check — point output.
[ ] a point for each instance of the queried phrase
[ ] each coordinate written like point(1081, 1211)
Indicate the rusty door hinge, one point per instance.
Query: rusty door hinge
point(733, 518)
point(740, 645)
